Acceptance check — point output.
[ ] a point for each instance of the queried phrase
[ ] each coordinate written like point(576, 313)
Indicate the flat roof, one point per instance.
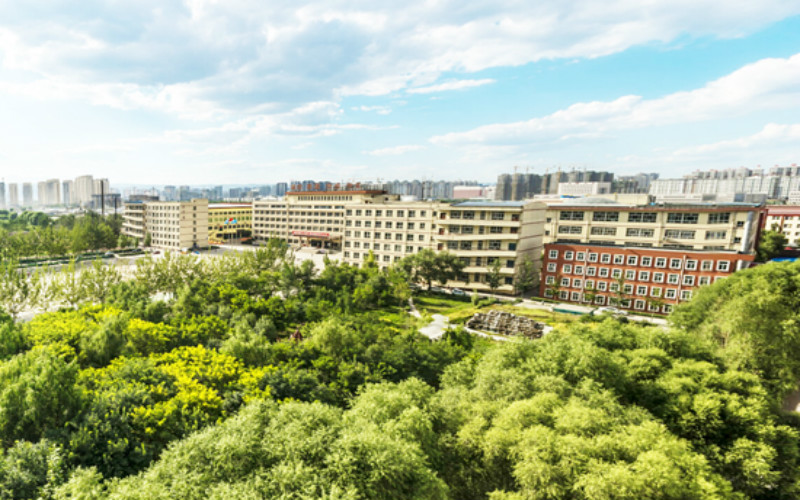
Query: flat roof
point(323, 193)
point(212, 206)
point(783, 209)
point(489, 204)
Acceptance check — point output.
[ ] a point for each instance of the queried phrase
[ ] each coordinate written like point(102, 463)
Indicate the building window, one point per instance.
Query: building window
point(638, 304)
point(630, 274)
point(567, 268)
point(644, 275)
point(569, 230)
point(605, 216)
point(591, 270)
point(603, 272)
point(647, 261)
point(569, 255)
point(658, 277)
point(578, 269)
point(602, 231)
point(642, 217)
point(661, 262)
point(601, 286)
point(716, 235)
point(723, 265)
point(683, 218)
point(655, 291)
point(673, 279)
point(497, 215)
point(580, 256)
point(494, 245)
point(616, 273)
point(638, 232)
point(576, 283)
point(592, 257)
point(703, 280)
point(719, 218)
point(570, 215)
point(678, 234)
point(675, 263)
point(707, 265)
point(686, 294)
point(605, 258)
point(552, 254)
point(550, 280)
point(671, 293)
point(565, 282)
point(632, 260)
point(691, 265)
point(641, 290)
point(619, 259)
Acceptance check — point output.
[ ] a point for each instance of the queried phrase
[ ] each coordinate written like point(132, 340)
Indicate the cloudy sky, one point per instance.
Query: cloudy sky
point(240, 91)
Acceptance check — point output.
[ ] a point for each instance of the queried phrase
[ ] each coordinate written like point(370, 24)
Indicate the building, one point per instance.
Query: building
point(171, 225)
point(640, 279)
point(84, 190)
point(67, 193)
point(467, 192)
point(3, 204)
point(373, 221)
point(27, 194)
point(13, 195)
point(786, 219)
point(599, 221)
point(229, 221)
point(482, 232)
point(583, 188)
point(734, 184)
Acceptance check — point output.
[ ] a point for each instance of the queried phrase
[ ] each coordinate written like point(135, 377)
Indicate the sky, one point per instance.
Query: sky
point(254, 92)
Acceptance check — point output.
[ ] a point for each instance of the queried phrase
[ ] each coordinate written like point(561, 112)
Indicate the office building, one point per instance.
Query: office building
point(13, 195)
point(172, 225)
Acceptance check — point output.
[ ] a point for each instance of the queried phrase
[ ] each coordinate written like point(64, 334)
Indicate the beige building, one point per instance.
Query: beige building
point(172, 225)
point(786, 219)
point(690, 226)
point(360, 222)
point(229, 221)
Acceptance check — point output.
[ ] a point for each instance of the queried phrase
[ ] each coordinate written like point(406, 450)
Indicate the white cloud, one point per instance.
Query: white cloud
point(394, 150)
point(454, 85)
point(773, 134)
point(766, 84)
point(381, 110)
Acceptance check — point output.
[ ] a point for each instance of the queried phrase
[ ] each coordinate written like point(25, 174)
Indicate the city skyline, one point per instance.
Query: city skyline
point(242, 93)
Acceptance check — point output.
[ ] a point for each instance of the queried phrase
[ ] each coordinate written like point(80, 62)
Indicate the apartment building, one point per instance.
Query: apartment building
point(786, 219)
point(360, 222)
point(229, 221)
point(172, 225)
point(481, 232)
point(640, 279)
point(733, 227)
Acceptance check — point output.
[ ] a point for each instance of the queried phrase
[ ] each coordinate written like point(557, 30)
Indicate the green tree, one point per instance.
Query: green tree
point(429, 267)
point(527, 276)
point(771, 244)
point(493, 276)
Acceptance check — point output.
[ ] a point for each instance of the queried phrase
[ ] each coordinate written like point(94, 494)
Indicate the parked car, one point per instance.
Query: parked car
point(609, 310)
point(438, 289)
point(458, 291)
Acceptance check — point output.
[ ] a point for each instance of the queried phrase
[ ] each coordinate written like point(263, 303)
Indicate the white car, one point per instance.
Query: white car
point(609, 310)
point(458, 291)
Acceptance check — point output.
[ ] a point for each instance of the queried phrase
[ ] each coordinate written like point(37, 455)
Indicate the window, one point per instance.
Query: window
point(616, 273)
point(638, 304)
point(658, 277)
point(570, 215)
point(599, 300)
point(723, 265)
point(642, 217)
point(655, 291)
point(630, 274)
point(602, 231)
point(578, 269)
point(569, 229)
point(686, 294)
point(576, 296)
point(551, 267)
point(716, 235)
point(671, 293)
point(567, 268)
point(497, 215)
point(673, 279)
point(647, 261)
point(568, 255)
point(603, 272)
point(495, 229)
point(605, 258)
point(644, 275)
point(550, 280)
point(639, 232)
point(592, 257)
point(619, 259)
point(703, 280)
point(564, 281)
point(580, 256)
point(707, 265)
point(400, 213)
point(627, 288)
point(563, 295)
point(632, 260)
point(678, 234)
point(590, 271)
point(605, 216)
point(683, 218)
point(719, 218)
point(613, 287)
point(674, 263)
point(576, 283)
point(688, 280)
point(602, 286)
point(661, 262)
point(589, 284)
point(552, 254)
point(691, 265)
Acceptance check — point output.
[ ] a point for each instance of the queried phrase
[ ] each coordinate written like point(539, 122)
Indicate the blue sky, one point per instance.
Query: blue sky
point(209, 92)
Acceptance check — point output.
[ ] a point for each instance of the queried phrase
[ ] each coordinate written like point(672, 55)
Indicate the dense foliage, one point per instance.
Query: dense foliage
point(253, 376)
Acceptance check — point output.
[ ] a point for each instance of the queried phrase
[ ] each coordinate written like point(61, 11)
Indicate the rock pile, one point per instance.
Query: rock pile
point(505, 323)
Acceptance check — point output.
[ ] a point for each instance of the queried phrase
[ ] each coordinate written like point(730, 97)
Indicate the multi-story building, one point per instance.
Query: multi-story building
point(27, 194)
point(373, 221)
point(3, 195)
point(786, 219)
point(599, 221)
point(84, 190)
point(13, 195)
point(67, 193)
point(482, 232)
point(229, 221)
point(641, 279)
point(172, 225)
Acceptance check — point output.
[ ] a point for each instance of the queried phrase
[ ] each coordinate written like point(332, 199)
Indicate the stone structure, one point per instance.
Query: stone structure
point(505, 323)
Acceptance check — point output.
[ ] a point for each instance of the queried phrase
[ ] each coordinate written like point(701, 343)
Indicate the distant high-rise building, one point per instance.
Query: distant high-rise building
point(67, 193)
point(13, 195)
point(52, 191)
point(84, 189)
point(3, 195)
point(281, 188)
point(27, 194)
point(170, 193)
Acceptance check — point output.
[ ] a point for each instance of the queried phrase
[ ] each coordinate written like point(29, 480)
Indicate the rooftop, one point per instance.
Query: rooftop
point(490, 204)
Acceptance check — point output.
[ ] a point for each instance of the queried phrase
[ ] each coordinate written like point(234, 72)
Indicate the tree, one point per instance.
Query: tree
point(620, 298)
point(430, 267)
point(527, 277)
point(98, 280)
point(493, 276)
point(148, 240)
point(19, 290)
point(554, 287)
point(771, 245)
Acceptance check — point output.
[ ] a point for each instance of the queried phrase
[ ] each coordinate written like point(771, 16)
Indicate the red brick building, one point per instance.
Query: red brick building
point(639, 279)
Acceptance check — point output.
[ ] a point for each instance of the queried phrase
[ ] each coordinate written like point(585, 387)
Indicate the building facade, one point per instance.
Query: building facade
point(171, 225)
point(731, 227)
point(786, 219)
point(229, 221)
point(650, 280)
